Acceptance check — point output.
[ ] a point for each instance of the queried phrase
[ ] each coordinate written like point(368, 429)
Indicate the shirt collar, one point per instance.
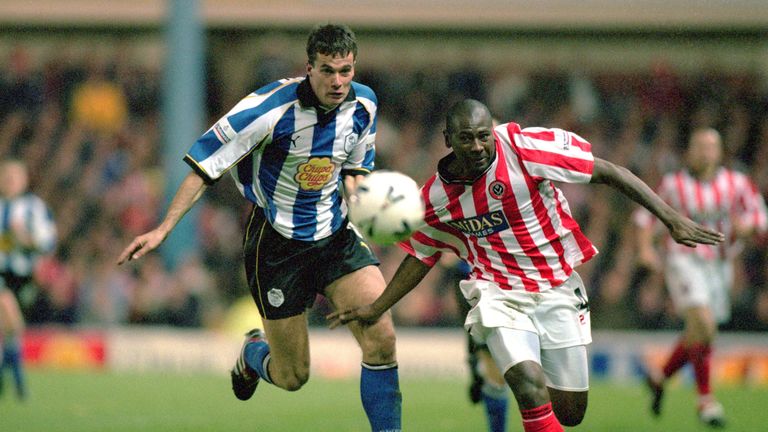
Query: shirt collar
point(308, 98)
point(447, 177)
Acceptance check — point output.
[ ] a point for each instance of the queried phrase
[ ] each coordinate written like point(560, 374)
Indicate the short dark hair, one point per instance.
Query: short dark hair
point(331, 39)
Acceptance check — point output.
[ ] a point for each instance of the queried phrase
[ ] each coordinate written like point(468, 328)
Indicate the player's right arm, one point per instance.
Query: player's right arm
point(407, 276)
point(190, 190)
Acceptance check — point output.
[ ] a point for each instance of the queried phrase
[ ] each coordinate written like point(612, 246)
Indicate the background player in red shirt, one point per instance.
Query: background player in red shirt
point(700, 280)
point(494, 205)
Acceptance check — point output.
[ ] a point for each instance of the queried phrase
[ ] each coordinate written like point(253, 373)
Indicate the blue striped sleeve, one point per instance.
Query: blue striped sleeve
point(226, 129)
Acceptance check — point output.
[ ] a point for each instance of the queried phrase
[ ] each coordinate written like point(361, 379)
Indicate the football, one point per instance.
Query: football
point(386, 207)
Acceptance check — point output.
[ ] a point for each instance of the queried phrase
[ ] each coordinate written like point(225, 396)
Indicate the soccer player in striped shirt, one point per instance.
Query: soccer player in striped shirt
point(699, 280)
point(27, 231)
point(494, 204)
point(293, 147)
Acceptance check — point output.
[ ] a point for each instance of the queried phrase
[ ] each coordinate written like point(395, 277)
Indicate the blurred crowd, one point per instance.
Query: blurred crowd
point(89, 129)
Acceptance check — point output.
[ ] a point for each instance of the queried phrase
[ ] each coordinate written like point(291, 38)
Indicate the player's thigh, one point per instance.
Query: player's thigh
point(688, 282)
point(11, 319)
point(359, 288)
point(700, 325)
point(288, 344)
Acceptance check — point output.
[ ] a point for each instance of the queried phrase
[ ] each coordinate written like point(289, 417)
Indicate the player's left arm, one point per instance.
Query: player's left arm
point(682, 229)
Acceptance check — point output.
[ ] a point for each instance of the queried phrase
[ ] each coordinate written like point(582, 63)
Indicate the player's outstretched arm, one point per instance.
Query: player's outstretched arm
point(682, 229)
point(407, 276)
point(189, 192)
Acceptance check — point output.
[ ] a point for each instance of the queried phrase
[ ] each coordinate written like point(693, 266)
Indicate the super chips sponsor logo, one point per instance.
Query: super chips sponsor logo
point(223, 131)
point(481, 225)
point(314, 173)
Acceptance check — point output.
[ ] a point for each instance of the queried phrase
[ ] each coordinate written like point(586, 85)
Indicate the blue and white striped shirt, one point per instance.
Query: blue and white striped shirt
point(29, 213)
point(289, 155)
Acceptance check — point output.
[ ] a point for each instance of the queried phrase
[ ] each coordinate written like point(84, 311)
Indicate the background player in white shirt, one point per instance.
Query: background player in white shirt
point(493, 203)
point(289, 147)
point(699, 280)
point(27, 231)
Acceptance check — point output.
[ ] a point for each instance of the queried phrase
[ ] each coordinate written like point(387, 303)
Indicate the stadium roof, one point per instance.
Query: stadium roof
point(656, 15)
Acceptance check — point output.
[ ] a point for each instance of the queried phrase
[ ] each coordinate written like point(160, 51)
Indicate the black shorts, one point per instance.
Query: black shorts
point(15, 283)
point(285, 275)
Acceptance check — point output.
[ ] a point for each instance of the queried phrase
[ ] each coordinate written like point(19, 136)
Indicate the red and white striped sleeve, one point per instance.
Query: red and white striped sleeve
point(753, 213)
point(551, 154)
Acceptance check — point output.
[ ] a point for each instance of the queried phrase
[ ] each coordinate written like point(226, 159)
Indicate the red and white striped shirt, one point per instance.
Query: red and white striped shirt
point(512, 225)
point(729, 196)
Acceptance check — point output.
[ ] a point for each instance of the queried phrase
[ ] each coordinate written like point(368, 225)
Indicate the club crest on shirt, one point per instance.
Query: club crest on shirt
point(313, 174)
point(481, 225)
point(350, 141)
point(497, 189)
point(275, 297)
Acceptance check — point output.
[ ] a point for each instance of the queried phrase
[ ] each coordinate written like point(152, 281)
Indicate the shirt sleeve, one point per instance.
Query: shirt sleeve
point(753, 212)
point(363, 153)
point(418, 246)
point(247, 126)
point(552, 154)
point(42, 226)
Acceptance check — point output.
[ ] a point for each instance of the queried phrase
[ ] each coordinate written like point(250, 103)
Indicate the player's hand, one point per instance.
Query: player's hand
point(142, 245)
point(350, 184)
point(364, 314)
point(689, 233)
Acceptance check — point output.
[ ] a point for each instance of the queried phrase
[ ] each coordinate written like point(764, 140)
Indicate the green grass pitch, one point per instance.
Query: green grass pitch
point(81, 402)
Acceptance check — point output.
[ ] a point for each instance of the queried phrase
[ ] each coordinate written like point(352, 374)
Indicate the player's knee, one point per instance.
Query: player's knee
point(292, 378)
point(378, 345)
point(569, 407)
point(569, 418)
point(296, 380)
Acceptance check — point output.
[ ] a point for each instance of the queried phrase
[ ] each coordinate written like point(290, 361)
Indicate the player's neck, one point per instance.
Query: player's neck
point(705, 174)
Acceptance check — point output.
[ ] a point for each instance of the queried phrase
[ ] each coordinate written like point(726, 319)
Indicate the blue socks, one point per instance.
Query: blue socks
point(12, 360)
point(379, 388)
point(380, 393)
point(496, 401)
point(257, 358)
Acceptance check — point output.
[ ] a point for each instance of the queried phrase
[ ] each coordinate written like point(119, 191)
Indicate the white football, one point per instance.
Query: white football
point(386, 207)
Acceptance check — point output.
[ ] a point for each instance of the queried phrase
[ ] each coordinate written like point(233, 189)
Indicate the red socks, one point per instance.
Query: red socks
point(700, 356)
point(540, 419)
point(676, 360)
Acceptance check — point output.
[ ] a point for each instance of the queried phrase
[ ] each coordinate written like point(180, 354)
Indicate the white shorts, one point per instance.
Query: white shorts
point(565, 369)
point(693, 282)
point(559, 316)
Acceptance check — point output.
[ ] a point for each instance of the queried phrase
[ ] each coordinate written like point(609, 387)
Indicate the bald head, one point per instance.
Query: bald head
point(465, 112)
point(14, 178)
point(469, 133)
point(705, 152)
